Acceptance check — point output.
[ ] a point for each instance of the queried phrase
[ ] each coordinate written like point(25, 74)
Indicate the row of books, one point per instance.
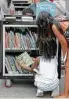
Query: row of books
point(12, 67)
point(23, 40)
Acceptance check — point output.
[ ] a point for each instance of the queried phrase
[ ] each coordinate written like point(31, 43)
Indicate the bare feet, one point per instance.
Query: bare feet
point(62, 96)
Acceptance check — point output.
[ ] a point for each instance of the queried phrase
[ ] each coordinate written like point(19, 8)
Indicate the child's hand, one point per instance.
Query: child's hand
point(19, 63)
point(34, 59)
point(24, 66)
point(36, 63)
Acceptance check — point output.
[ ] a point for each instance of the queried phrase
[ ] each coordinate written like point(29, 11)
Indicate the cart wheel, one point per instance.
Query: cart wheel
point(8, 83)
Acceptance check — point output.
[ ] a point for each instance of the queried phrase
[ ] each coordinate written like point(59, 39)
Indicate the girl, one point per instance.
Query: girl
point(60, 31)
point(47, 77)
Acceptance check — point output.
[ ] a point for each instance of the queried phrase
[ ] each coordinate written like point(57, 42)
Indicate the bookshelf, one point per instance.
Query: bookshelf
point(9, 53)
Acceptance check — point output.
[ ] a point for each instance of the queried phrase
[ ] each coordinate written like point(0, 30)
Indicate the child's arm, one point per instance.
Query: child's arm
point(36, 63)
point(24, 66)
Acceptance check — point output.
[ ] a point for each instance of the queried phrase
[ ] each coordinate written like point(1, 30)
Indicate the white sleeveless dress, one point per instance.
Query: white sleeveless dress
point(47, 79)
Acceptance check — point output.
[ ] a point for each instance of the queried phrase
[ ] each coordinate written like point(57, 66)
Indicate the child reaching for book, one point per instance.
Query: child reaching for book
point(46, 79)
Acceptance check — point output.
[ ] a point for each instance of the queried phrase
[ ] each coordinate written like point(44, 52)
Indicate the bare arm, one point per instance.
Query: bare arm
point(60, 38)
point(36, 63)
point(24, 66)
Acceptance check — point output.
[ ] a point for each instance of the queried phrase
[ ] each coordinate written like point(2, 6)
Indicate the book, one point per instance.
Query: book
point(18, 67)
point(12, 64)
point(6, 40)
point(11, 39)
point(45, 6)
point(25, 58)
point(7, 65)
point(17, 40)
point(32, 39)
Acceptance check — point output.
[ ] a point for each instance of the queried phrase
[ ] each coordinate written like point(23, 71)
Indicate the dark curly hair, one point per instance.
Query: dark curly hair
point(46, 39)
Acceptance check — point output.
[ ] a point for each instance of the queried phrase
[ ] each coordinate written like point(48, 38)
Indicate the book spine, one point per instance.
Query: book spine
point(6, 40)
point(7, 65)
point(18, 67)
point(22, 42)
point(29, 42)
point(33, 41)
point(12, 65)
point(17, 40)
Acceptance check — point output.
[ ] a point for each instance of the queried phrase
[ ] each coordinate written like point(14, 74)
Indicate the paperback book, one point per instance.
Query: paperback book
point(25, 58)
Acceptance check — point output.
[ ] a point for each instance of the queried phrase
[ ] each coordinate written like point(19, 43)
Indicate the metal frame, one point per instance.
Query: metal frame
point(8, 50)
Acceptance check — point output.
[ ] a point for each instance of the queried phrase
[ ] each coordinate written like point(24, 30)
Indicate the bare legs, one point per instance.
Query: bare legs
point(66, 86)
point(66, 90)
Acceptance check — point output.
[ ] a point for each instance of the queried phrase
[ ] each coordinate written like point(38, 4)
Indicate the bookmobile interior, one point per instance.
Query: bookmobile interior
point(17, 35)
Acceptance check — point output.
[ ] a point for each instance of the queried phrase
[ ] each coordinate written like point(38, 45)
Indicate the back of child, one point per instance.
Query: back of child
point(47, 79)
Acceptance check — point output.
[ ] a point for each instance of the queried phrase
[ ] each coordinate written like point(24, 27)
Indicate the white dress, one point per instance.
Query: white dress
point(47, 79)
